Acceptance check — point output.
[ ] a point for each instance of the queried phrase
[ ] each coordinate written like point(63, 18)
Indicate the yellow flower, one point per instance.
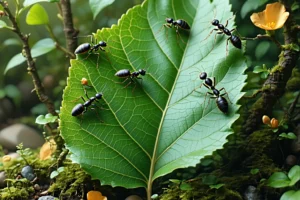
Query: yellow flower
point(272, 18)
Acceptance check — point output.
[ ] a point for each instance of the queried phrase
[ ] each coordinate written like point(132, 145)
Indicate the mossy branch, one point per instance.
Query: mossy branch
point(274, 86)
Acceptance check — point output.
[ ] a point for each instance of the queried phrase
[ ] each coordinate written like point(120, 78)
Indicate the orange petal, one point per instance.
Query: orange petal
point(47, 149)
point(95, 195)
point(282, 20)
point(258, 19)
point(275, 13)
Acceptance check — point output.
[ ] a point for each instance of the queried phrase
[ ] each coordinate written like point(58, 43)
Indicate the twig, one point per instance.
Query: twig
point(70, 32)
point(30, 62)
point(259, 36)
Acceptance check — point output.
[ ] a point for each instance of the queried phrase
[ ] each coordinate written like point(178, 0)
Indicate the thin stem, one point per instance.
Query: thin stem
point(259, 36)
point(58, 46)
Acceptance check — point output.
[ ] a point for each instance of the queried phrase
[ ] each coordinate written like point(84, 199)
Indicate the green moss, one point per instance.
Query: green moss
point(69, 181)
point(276, 68)
point(11, 193)
point(293, 83)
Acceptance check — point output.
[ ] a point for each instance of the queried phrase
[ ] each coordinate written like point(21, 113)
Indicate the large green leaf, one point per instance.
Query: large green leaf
point(164, 122)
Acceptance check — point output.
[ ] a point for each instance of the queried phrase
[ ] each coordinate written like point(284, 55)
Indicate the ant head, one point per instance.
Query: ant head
point(99, 96)
point(102, 44)
point(169, 20)
point(215, 22)
point(203, 75)
point(142, 72)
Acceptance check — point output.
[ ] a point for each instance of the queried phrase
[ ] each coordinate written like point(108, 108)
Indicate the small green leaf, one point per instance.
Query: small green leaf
point(14, 61)
point(290, 136)
point(294, 175)
point(216, 186)
point(291, 195)
point(3, 24)
point(60, 169)
point(42, 47)
point(37, 15)
point(185, 186)
point(49, 118)
point(258, 69)
point(254, 171)
point(31, 2)
point(295, 6)
point(97, 5)
point(264, 75)
point(54, 174)
point(294, 47)
point(154, 196)
point(278, 180)
point(12, 41)
point(175, 181)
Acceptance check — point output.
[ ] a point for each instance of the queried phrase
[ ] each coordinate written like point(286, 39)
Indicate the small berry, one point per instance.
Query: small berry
point(266, 119)
point(274, 123)
point(84, 81)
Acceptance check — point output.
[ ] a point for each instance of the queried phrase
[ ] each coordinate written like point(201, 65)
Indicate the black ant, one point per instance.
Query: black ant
point(125, 73)
point(220, 100)
point(221, 29)
point(90, 48)
point(179, 23)
point(82, 108)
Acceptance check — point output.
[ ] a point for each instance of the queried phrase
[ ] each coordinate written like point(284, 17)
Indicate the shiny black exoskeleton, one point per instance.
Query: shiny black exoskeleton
point(88, 48)
point(82, 108)
point(235, 40)
point(220, 100)
point(180, 23)
point(125, 73)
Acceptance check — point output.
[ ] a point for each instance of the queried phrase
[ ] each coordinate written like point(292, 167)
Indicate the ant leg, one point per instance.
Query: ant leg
point(215, 29)
point(166, 30)
point(131, 81)
point(97, 113)
point(208, 99)
point(227, 46)
point(219, 32)
point(98, 55)
point(86, 94)
point(200, 87)
point(178, 35)
point(226, 23)
point(214, 83)
point(79, 98)
point(226, 93)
